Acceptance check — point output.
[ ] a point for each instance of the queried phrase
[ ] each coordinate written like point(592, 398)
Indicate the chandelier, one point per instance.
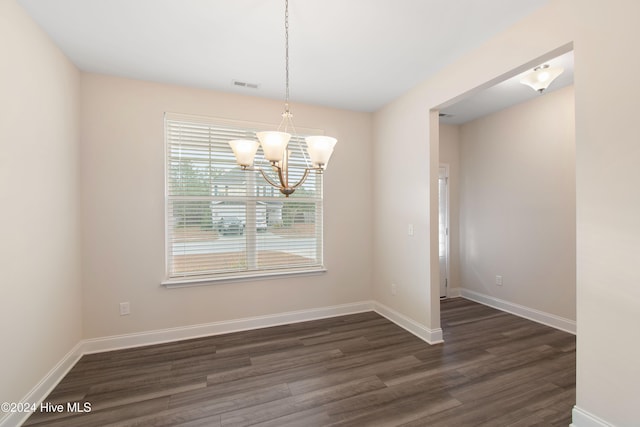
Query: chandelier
point(275, 143)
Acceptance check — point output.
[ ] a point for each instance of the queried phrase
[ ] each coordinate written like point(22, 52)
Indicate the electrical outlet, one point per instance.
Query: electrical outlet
point(125, 308)
point(499, 280)
point(394, 289)
point(410, 230)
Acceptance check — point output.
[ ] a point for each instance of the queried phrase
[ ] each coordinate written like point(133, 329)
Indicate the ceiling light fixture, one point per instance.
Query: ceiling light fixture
point(541, 77)
point(275, 143)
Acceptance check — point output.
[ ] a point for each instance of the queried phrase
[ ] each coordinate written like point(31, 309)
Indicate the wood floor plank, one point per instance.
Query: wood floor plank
point(337, 392)
point(212, 409)
point(399, 412)
point(256, 370)
point(494, 369)
point(309, 418)
point(339, 376)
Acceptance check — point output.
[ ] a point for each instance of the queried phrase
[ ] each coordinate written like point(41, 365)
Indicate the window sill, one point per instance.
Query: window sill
point(239, 277)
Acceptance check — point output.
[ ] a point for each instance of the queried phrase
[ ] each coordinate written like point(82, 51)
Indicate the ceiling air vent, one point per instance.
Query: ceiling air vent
point(445, 115)
point(238, 83)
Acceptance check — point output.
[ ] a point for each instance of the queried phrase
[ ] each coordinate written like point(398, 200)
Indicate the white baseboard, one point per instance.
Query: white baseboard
point(454, 293)
point(117, 342)
point(431, 336)
point(548, 319)
point(97, 345)
point(44, 387)
point(582, 418)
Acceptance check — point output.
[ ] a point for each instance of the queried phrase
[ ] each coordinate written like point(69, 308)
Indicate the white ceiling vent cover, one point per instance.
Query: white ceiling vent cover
point(238, 83)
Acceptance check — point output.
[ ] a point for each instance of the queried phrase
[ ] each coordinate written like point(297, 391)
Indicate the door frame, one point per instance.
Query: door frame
point(444, 167)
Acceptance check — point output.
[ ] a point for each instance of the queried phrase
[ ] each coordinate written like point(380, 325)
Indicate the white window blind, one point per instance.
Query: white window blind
point(223, 222)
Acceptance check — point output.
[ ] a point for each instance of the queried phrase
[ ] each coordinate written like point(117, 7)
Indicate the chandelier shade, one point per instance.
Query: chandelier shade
point(245, 151)
point(320, 149)
point(273, 144)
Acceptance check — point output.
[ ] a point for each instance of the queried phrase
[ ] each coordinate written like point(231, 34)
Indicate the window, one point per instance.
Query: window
point(223, 222)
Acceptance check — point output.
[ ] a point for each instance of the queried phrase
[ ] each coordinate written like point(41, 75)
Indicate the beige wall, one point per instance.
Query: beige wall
point(608, 211)
point(450, 154)
point(123, 210)
point(518, 204)
point(40, 319)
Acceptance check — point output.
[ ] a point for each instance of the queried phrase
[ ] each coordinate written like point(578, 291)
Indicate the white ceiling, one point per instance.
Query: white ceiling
point(350, 54)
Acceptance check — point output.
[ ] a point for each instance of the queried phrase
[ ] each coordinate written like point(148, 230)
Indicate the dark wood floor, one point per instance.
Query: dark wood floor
point(494, 369)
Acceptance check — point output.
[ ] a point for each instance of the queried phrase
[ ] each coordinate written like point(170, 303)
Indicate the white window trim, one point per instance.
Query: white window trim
point(179, 282)
point(246, 277)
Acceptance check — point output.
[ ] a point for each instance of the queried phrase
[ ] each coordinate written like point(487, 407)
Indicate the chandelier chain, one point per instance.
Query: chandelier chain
point(286, 50)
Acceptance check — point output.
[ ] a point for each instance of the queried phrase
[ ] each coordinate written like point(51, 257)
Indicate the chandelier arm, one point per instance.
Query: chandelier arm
point(269, 180)
point(283, 174)
point(284, 186)
point(302, 180)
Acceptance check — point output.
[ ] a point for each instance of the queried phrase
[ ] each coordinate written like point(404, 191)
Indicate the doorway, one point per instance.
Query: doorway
point(482, 188)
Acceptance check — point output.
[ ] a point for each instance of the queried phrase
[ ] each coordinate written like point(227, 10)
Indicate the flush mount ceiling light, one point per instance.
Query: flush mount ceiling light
point(275, 143)
point(541, 77)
